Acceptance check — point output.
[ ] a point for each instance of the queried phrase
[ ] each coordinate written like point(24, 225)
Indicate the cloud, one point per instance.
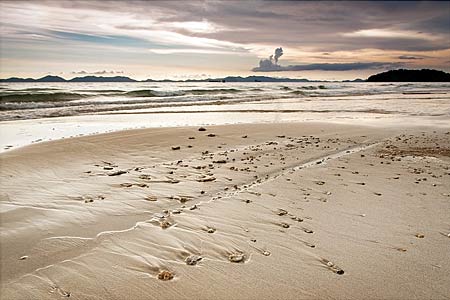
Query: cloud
point(104, 72)
point(271, 65)
point(409, 57)
point(328, 67)
point(392, 34)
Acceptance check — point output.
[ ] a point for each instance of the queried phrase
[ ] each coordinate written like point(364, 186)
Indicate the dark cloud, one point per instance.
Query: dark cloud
point(271, 65)
point(409, 57)
point(317, 24)
point(327, 67)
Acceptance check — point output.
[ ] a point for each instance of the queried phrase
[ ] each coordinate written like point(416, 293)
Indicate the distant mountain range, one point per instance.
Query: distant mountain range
point(401, 75)
point(50, 78)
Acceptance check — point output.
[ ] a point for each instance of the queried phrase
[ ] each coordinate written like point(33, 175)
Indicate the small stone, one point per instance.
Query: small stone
point(150, 198)
point(202, 129)
point(320, 182)
point(165, 275)
point(285, 225)
point(165, 224)
point(206, 179)
point(176, 147)
point(117, 173)
point(419, 236)
point(23, 257)
point(193, 260)
point(266, 253)
point(211, 135)
point(308, 231)
point(210, 230)
point(236, 257)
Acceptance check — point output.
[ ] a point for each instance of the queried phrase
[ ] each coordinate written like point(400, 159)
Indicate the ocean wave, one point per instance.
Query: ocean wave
point(40, 97)
point(26, 96)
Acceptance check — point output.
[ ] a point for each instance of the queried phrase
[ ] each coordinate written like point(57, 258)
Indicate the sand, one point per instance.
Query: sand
point(255, 211)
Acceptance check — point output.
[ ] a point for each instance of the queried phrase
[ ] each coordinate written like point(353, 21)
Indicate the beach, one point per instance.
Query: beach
point(281, 210)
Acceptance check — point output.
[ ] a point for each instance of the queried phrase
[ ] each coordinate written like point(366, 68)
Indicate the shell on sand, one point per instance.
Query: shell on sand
point(165, 275)
point(193, 260)
point(210, 230)
point(23, 257)
point(419, 235)
point(150, 198)
point(236, 257)
point(266, 253)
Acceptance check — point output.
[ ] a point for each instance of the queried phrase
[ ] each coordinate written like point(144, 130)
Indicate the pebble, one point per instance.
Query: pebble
point(165, 224)
point(165, 275)
point(193, 260)
point(419, 236)
point(202, 129)
point(23, 257)
point(236, 257)
point(176, 148)
point(285, 225)
point(151, 198)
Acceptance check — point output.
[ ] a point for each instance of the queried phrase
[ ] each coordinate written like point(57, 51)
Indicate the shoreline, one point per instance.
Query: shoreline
point(20, 133)
point(103, 215)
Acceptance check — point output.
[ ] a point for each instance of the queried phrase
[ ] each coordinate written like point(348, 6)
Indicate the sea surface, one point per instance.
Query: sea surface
point(31, 112)
point(41, 100)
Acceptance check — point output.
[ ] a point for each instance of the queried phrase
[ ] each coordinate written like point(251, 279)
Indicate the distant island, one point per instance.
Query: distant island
point(401, 75)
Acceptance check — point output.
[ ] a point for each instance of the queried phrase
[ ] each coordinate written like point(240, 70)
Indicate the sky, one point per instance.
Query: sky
point(197, 39)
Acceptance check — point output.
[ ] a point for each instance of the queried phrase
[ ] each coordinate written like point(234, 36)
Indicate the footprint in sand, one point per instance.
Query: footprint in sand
point(332, 266)
point(210, 230)
point(281, 212)
point(285, 225)
point(60, 291)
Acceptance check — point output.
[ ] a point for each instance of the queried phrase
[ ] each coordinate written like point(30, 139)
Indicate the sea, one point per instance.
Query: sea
point(36, 112)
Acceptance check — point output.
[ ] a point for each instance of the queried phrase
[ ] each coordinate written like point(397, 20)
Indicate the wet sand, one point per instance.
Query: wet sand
point(255, 211)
